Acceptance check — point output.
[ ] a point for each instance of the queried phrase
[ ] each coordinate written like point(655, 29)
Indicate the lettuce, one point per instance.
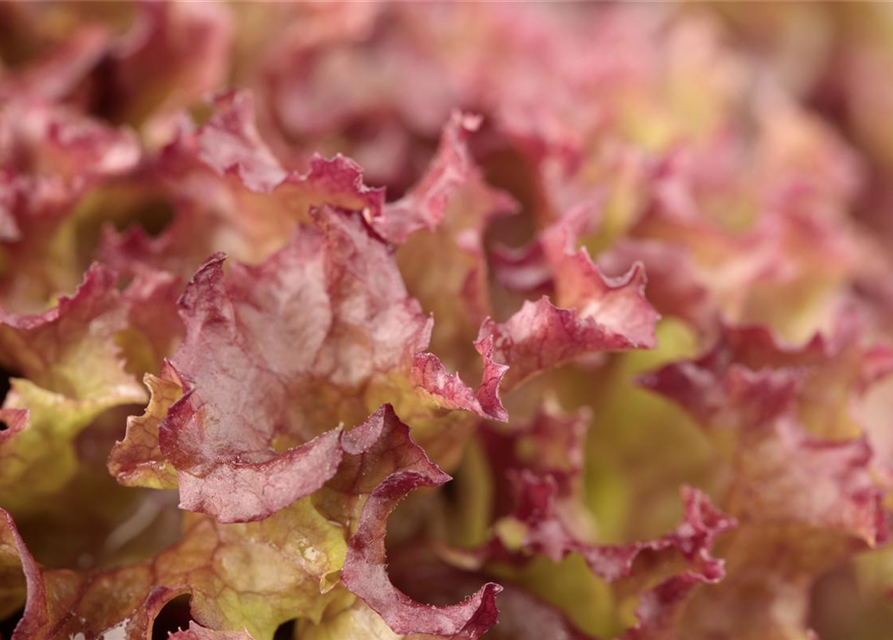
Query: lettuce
point(453, 321)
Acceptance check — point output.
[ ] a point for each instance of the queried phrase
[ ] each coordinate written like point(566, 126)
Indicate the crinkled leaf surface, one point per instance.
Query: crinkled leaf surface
point(73, 371)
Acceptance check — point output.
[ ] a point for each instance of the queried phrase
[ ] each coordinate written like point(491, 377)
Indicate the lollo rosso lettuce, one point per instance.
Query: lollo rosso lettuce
point(453, 321)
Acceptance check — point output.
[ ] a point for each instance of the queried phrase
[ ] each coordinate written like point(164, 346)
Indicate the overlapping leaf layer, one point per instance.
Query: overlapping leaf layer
point(513, 321)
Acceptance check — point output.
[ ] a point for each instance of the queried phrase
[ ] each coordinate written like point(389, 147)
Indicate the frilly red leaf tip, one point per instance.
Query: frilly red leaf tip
point(494, 373)
point(702, 521)
point(230, 143)
point(365, 569)
point(209, 274)
point(98, 282)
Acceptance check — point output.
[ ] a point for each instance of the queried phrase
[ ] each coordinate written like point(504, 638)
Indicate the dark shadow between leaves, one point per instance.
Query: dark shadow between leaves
point(172, 617)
